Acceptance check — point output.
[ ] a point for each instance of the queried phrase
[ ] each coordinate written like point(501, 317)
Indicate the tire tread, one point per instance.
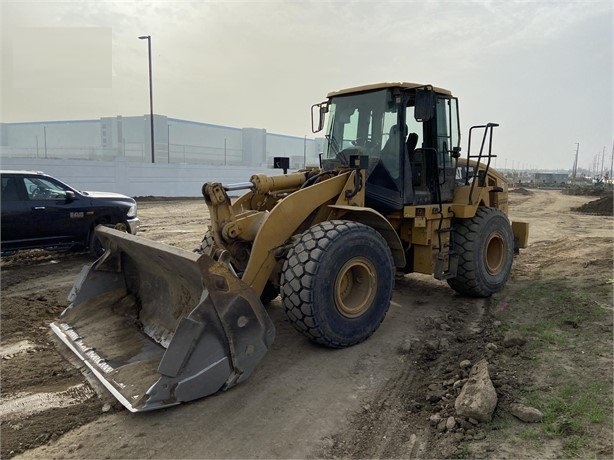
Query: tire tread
point(296, 291)
point(466, 238)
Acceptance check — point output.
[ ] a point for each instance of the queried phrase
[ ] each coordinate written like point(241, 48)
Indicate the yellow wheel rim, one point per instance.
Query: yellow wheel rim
point(355, 287)
point(494, 256)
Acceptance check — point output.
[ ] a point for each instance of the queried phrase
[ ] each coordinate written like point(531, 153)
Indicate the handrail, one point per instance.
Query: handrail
point(488, 132)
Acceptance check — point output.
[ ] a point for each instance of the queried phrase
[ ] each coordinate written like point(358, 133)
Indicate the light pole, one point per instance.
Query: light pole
point(148, 38)
point(575, 163)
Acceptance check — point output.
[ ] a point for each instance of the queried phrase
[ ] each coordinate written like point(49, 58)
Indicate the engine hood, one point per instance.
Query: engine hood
point(107, 195)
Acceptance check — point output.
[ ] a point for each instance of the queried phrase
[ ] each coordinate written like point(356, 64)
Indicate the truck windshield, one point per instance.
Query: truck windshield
point(362, 123)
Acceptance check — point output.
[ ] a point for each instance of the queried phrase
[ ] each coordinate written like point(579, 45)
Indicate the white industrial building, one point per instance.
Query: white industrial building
point(113, 153)
point(176, 141)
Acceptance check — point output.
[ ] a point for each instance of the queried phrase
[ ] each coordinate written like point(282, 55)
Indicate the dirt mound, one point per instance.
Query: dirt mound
point(600, 189)
point(603, 206)
point(35, 257)
point(521, 191)
point(151, 198)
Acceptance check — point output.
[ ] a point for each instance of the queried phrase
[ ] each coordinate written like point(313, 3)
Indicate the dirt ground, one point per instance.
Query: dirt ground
point(381, 398)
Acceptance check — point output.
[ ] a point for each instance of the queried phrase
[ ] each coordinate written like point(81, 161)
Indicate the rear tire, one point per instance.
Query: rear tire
point(485, 248)
point(336, 283)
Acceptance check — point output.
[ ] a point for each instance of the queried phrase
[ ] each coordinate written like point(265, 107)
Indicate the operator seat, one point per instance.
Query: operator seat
point(390, 152)
point(412, 142)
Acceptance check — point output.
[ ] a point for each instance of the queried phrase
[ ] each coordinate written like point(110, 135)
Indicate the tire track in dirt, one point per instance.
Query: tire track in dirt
point(43, 395)
point(394, 423)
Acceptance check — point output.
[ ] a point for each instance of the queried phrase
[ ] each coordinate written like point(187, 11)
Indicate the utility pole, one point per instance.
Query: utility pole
point(612, 161)
point(151, 117)
point(575, 163)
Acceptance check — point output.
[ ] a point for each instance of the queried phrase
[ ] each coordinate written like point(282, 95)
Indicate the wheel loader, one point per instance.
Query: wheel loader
point(159, 326)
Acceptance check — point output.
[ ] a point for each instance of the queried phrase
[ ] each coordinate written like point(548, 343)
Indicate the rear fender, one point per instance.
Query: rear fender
point(378, 222)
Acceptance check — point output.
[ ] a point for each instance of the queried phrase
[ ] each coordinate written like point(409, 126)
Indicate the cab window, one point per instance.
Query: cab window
point(43, 189)
point(10, 188)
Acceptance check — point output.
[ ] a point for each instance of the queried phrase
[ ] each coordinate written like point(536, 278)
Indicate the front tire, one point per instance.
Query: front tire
point(336, 282)
point(485, 248)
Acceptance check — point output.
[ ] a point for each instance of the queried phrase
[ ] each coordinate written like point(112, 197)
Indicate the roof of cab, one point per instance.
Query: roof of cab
point(374, 86)
point(22, 171)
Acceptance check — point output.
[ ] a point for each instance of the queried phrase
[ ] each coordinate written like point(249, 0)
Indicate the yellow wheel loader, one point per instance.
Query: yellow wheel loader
point(159, 325)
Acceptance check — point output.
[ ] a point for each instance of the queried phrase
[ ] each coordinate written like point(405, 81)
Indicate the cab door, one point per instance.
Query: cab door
point(15, 216)
point(448, 138)
point(53, 217)
point(433, 161)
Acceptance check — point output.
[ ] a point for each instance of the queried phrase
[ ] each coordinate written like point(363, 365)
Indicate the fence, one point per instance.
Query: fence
point(77, 153)
point(133, 151)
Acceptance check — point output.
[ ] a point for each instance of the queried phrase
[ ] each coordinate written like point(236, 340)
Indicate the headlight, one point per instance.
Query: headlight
point(132, 211)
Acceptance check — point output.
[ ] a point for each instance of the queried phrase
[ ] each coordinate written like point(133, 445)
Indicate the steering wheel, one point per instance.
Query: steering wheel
point(40, 193)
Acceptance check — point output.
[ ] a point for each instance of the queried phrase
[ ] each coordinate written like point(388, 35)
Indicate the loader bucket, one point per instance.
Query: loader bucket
point(159, 325)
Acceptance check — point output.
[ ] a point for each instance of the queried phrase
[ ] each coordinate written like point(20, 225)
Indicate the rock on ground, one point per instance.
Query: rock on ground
point(478, 397)
point(526, 413)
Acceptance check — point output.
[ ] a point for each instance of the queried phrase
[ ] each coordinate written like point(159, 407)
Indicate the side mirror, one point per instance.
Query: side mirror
point(321, 112)
point(70, 196)
point(424, 109)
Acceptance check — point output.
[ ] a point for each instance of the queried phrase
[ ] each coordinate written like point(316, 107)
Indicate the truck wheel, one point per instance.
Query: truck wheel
point(95, 246)
point(485, 248)
point(336, 282)
point(205, 247)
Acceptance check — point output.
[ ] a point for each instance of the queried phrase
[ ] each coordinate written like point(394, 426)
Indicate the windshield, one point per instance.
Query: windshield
point(363, 123)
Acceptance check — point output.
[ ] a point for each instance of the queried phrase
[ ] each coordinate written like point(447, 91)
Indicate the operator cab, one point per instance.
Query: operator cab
point(410, 133)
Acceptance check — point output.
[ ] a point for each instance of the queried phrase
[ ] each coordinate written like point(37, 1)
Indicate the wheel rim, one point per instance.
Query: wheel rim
point(355, 287)
point(494, 256)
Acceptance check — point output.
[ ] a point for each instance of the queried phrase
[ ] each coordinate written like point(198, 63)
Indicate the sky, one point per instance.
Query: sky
point(543, 70)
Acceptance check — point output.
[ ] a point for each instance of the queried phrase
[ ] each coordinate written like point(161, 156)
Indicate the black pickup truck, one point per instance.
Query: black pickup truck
point(39, 211)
